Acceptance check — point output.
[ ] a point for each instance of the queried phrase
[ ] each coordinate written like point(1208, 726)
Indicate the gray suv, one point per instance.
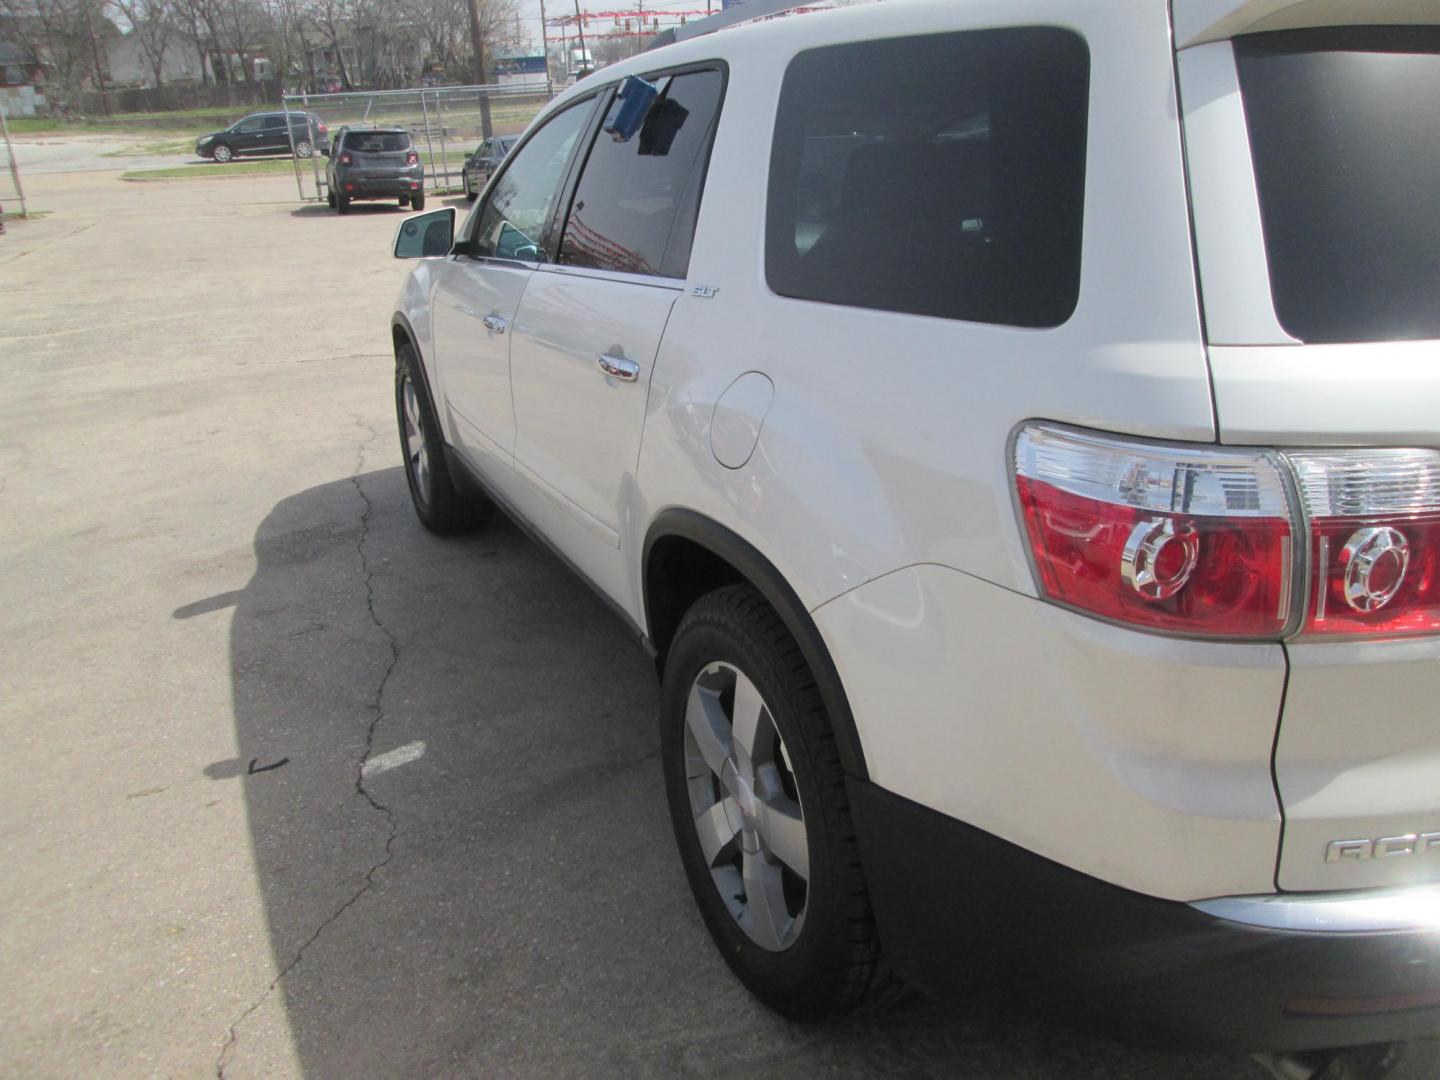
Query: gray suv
point(374, 163)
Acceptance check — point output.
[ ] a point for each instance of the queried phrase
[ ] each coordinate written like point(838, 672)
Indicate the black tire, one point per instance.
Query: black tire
point(303, 149)
point(222, 153)
point(330, 198)
point(470, 193)
point(833, 964)
point(417, 201)
point(441, 506)
point(342, 203)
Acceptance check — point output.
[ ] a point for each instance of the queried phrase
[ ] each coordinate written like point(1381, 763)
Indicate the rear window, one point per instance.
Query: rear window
point(1345, 134)
point(377, 142)
point(940, 175)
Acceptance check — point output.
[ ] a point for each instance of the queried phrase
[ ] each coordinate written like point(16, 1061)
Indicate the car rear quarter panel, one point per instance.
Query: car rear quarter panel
point(881, 478)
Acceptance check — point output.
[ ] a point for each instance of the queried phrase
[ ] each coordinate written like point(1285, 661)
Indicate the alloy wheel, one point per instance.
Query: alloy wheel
point(746, 806)
point(416, 456)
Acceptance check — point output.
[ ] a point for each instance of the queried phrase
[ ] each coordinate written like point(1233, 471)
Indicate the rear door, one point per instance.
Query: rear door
point(475, 296)
point(589, 326)
point(274, 138)
point(1314, 156)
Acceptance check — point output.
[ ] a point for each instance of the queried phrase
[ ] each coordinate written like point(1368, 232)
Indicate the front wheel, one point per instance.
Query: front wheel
point(757, 800)
point(441, 506)
point(469, 191)
point(222, 153)
point(303, 149)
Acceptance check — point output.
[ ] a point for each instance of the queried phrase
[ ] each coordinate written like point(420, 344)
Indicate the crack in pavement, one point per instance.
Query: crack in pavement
point(377, 707)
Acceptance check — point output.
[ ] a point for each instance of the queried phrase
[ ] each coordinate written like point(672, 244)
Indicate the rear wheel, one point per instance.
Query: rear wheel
point(330, 198)
point(417, 201)
point(222, 153)
point(757, 799)
point(441, 506)
point(342, 203)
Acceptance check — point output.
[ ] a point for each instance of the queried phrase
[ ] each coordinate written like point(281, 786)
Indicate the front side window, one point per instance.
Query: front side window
point(254, 123)
point(631, 208)
point(512, 223)
point(1345, 135)
point(939, 175)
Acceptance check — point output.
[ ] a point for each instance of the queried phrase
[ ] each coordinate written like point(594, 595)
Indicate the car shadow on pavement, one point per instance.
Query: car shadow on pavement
point(495, 889)
point(324, 210)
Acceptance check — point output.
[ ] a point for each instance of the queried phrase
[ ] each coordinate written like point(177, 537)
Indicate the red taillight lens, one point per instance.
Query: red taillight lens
point(320, 126)
point(1374, 541)
point(346, 159)
point(1184, 540)
point(412, 158)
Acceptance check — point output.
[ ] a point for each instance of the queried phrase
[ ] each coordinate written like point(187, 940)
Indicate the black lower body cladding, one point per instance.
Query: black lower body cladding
point(961, 912)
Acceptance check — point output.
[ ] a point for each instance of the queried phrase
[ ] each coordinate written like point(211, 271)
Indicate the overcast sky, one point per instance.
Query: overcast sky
point(530, 10)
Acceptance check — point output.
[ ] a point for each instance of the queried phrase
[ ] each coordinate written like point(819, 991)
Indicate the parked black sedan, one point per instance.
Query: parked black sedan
point(264, 133)
point(484, 161)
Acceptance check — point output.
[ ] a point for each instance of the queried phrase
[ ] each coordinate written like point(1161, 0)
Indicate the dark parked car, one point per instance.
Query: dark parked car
point(484, 161)
point(264, 133)
point(374, 163)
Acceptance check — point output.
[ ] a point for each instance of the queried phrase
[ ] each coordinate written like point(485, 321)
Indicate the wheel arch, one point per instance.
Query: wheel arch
point(686, 555)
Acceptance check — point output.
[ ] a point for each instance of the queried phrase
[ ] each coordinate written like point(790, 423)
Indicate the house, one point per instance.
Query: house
point(22, 81)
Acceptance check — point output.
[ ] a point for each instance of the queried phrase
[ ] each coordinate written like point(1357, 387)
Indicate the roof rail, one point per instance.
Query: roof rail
point(738, 13)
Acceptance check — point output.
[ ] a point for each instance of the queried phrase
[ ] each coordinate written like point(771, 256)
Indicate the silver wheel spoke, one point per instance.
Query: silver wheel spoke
point(747, 723)
point(764, 901)
point(781, 826)
point(718, 830)
point(707, 724)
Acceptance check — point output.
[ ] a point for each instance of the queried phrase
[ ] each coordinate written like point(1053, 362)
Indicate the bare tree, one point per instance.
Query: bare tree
point(153, 24)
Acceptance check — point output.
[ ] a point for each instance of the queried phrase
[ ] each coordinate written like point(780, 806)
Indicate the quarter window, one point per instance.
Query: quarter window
point(940, 175)
point(512, 224)
point(635, 205)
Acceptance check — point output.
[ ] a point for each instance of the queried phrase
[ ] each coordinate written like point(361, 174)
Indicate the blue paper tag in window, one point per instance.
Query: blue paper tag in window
point(631, 104)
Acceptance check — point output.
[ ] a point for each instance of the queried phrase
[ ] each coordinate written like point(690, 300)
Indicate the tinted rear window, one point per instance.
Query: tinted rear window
point(1345, 133)
point(377, 142)
point(939, 175)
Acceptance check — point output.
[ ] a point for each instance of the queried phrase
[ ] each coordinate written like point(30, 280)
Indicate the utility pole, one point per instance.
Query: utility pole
point(580, 23)
point(477, 42)
point(545, 50)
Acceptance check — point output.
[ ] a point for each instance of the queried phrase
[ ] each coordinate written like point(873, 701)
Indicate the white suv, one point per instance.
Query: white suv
point(1011, 425)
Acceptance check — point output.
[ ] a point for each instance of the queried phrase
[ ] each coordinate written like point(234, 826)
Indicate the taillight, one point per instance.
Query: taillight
point(1374, 520)
point(1177, 539)
point(346, 159)
point(320, 126)
point(412, 158)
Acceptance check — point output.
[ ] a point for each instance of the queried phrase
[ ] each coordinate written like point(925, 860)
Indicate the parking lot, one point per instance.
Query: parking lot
point(292, 787)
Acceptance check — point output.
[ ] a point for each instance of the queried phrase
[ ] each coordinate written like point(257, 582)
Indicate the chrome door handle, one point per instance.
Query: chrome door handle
point(494, 323)
point(619, 367)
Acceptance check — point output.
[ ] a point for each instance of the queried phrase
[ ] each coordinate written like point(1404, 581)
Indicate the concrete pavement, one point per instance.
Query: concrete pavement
point(217, 607)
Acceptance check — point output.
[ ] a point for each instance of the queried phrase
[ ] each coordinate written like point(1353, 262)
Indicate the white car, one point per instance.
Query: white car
point(1012, 426)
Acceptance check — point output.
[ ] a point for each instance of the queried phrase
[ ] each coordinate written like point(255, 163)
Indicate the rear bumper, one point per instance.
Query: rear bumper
point(962, 912)
point(380, 188)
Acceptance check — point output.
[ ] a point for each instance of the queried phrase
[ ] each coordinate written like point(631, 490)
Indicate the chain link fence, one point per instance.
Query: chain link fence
point(12, 191)
point(446, 123)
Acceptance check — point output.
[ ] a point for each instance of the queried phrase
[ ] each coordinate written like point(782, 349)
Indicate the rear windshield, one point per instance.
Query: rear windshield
point(377, 142)
point(1345, 133)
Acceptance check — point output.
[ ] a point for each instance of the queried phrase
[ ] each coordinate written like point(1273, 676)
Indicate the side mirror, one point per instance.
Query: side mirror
point(425, 236)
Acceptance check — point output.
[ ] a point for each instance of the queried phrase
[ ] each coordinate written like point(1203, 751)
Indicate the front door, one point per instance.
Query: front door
point(476, 296)
point(590, 323)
